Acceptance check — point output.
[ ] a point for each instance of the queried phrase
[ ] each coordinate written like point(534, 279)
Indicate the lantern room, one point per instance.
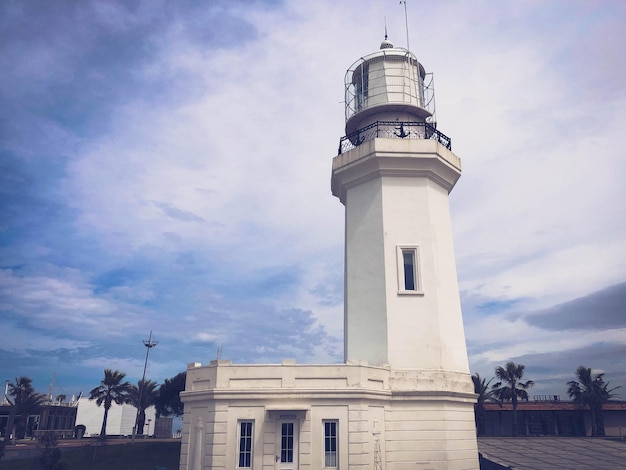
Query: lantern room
point(387, 85)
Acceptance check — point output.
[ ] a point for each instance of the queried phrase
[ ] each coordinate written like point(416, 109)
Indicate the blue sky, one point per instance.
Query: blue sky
point(165, 166)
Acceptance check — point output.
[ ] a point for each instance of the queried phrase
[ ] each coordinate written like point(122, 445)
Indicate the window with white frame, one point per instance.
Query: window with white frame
point(330, 443)
point(409, 281)
point(246, 430)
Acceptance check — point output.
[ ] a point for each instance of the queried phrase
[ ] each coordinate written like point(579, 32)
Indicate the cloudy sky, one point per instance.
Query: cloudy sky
point(165, 166)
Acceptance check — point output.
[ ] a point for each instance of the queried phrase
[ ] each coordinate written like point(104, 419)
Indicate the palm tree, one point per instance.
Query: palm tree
point(168, 402)
point(510, 387)
point(591, 390)
point(111, 390)
point(485, 394)
point(142, 396)
point(25, 402)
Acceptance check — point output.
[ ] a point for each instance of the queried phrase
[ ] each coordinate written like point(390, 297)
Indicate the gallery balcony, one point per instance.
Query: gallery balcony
point(393, 130)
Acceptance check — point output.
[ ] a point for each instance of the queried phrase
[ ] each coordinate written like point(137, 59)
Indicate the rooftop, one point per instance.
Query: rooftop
point(554, 453)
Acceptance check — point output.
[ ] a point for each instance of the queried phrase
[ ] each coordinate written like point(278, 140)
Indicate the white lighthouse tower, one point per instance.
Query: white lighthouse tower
point(393, 173)
point(403, 399)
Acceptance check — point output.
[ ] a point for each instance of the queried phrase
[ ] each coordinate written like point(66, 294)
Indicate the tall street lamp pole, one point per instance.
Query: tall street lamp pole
point(149, 344)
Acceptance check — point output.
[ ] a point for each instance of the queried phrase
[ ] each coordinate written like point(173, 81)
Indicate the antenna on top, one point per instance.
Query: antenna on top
point(406, 22)
point(385, 28)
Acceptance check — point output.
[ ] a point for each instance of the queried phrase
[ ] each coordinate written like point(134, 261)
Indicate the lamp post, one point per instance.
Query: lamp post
point(149, 344)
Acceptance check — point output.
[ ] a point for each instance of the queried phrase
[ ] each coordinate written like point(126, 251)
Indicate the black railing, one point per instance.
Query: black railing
point(393, 130)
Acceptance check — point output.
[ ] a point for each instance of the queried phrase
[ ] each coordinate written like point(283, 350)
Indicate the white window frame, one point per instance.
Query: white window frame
point(336, 439)
point(417, 278)
point(241, 451)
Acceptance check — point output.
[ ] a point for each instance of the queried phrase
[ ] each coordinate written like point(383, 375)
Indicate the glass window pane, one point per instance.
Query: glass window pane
point(330, 444)
point(409, 269)
point(245, 444)
point(286, 444)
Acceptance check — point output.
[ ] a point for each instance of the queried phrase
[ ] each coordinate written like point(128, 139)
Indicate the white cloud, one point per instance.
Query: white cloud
point(28, 343)
point(131, 367)
point(62, 302)
point(204, 166)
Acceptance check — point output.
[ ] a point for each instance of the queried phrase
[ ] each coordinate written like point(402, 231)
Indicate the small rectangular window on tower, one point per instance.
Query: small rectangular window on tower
point(409, 281)
point(330, 444)
point(409, 269)
point(246, 429)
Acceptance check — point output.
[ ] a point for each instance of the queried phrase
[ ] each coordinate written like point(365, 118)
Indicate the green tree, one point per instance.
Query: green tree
point(111, 390)
point(168, 402)
point(25, 401)
point(485, 394)
point(50, 456)
point(142, 396)
point(511, 388)
point(591, 390)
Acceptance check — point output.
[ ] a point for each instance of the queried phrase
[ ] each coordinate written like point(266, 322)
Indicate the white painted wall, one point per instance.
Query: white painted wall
point(421, 419)
point(424, 331)
point(365, 332)
point(396, 194)
point(120, 421)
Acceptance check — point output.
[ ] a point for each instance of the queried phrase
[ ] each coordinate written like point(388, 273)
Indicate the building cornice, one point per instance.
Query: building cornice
point(394, 158)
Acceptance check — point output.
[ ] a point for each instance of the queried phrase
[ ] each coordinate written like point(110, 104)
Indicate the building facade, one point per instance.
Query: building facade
point(57, 417)
point(404, 397)
point(552, 417)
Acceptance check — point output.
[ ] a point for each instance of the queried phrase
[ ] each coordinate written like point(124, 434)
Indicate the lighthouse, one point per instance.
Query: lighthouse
point(393, 174)
point(403, 398)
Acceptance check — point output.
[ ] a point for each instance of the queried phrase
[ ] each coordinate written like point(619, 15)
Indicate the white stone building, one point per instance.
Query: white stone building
point(120, 421)
point(404, 398)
